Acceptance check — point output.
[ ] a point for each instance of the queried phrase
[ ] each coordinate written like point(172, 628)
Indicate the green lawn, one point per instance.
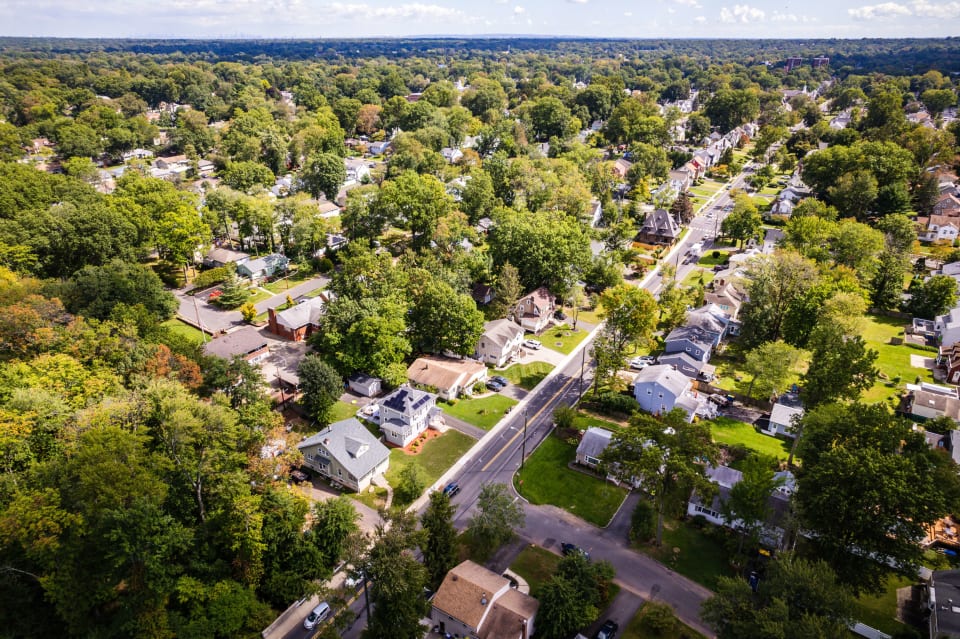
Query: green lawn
point(281, 286)
point(536, 565)
point(702, 557)
point(257, 296)
point(730, 431)
point(342, 410)
point(482, 412)
point(583, 421)
point(562, 338)
point(527, 375)
point(693, 277)
point(893, 359)
point(184, 330)
point(591, 317)
point(435, 457)
point(376, 500)
point(546, 479)
point(708, 258)
point(879, 611)
point(637, 629)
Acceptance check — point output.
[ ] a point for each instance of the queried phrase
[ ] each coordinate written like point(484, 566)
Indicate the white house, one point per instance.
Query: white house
point(534, 311)
point(406, 413)
point(947, 326)
point(594, 441)
point(500, 342)
point(938, 228)
point(475, 602)
point(347, 453)
point(661, 388)
point(451, 377)
point(784, 415)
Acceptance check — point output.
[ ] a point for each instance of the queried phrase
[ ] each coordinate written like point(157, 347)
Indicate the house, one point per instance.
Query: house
point(482, 294)
point(692, 368)
point(335, 241)
point(712, 319)
point(942, 593)
point(725, 296)
point(681, 179)
point(246, 342)
point(405, 414)
point(500, 342)
point(347, 453)
point(298, 322)
point(478, 603)
point(771, 239)
point(947, 204)
point(594, 441)
point(785, 413)
point(725, 478)
point(692, 340)
point(451, 154)
point(533, 311)
point(358, 170)
point(594, 212)
point(947, 326)
point(378, 148)
point(938, 228)
point(484, 224)
point(365, 385)
point(621, 167)
point(170, 161)
point(218, 257)
point(327, 209)
point(263, 267)
point(659, 389)
point(948, 442)
point(782, 207)
point(659, 227)
point(451, 377)
point(948, 359)
point(926, 401)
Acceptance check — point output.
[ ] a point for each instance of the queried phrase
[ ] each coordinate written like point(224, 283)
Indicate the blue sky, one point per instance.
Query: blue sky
point(357, 18)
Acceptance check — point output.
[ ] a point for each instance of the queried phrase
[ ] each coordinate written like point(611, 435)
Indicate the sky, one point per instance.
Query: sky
point(586, 18)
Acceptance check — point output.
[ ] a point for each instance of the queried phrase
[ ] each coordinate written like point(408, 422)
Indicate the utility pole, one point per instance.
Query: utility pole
point(583, 364)
point(523, 442)
point(196, 308)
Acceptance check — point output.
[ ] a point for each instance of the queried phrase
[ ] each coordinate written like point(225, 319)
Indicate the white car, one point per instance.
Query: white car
point(318, 614)
point(639, 363)
point(533, 344)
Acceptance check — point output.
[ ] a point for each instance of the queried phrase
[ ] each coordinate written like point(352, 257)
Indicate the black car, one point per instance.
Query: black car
point(500, 379)
point(558, 314)
point(299, 476)
point(573, 549)
point(608, 630)
point(496, 387)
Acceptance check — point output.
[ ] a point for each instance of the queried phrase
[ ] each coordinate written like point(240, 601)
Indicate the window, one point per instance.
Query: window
point(593, 461)
point(660, 395)
point(649, 392)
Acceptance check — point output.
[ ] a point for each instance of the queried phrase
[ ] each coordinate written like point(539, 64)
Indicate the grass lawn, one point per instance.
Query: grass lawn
point(702, 557)
point(693, 277)
point(591, 317)
point(185, 330)
point(880, 611)
point(342, 410)
point(258, 296)
point(893, 359)
point(376, 500)
point(434, 458)
point(482, 412)
point(536, 565)
point(546, 479)
point(527, 375)
point(314, 292)
point(281, 286)
point(562, 338)
point(637, 629)
point(583, 421)
point(730, 431)
point(708, 258)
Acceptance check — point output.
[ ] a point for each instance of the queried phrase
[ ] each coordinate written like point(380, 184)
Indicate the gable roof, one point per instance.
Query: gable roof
point(678, 358)
point(510, 613)
point(225, 256)
point(542, 298)
point(694, 334)
point(724, 475)
point(443, 373)
point(302, 314)
point(463, 589)
point(406, 400)
point(672, 380)
point(784, 414)
point(660, 222)
point(501, 332)
point(263, 263)
point(595, 440)
point(351, 445)
point(239, 342)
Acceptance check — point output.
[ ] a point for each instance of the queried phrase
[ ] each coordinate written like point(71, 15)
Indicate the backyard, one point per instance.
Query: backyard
point(700, 555)
point(732, 432)
point(527, 376)
point(879, 611)
point(639, 629)
point(184, 330)
point(893, 359)
point(482, 412)
point(536, 565)
point(282, 285)
point(435, 457)
point(342, 410)
point(547, 479)
point(563, 338)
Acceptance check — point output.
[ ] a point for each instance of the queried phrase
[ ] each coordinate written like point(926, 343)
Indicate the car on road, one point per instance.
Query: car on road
point(496, 387)
point(318, 614)
point(573, 549)
point(500, 379)
point(451, 489)
point(608, 630)
point(533, 344)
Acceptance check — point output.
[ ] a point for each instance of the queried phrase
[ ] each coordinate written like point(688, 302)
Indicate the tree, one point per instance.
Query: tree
point(771, 364)
point(899, 232)
point(630, 315)
point(478, 198)
point(444, 320)
point(243, 176)
point(886, 287)
point(440, 545)
point(561, 610)
point(933, 297)
point(179, 234)
point(506, 291)
point(94, 291)
point(841, 366)
point(550, 118)
point(748, 502)
point(868, 489)
point(321, 386)
point(938, 100)
point(334, 522)
point(665, 457)
point(496, 517)
point(324, 174)
point(682, 208)
point(774, 284)
point(418, 200)
point(854, 193)
point(248, 311)
point(729, 108)
point(398, 580)
point(744, 222)
point(636, 120)
point(233, 293)
point(796, 598)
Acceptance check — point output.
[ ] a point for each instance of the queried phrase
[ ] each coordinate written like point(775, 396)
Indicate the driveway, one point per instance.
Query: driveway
point(542, 354)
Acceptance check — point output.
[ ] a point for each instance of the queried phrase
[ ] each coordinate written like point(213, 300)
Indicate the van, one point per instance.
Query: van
point(318, 614)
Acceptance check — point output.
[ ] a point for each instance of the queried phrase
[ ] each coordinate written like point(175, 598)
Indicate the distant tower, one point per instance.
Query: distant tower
point(792, 63)
point(820, 62)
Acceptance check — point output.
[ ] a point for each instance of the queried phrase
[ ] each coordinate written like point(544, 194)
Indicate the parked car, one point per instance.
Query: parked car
point(533, 344)
point(573, 549)
point(719, 267)
point(639, 363)
point(496, 387)
point(500, 379)
point(299, 476)
point(451, 489)
point(560, 315)
point(608, 630)
point(318, 614)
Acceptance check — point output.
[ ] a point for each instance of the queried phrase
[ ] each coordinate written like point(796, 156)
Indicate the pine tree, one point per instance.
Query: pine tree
point(439, 551)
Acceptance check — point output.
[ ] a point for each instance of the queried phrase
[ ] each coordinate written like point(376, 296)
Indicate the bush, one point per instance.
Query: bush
point(716, 254)
point(324, 265)
point(248, 311)
point(643, 522)
point(611, 402)
point(563, 417)
point(213, 276)
point(659, 618)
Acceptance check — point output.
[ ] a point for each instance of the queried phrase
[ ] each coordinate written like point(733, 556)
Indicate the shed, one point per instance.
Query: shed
point(363, 384)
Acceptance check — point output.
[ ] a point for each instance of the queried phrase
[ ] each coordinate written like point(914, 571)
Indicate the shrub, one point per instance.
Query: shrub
point(213, 276)
point(643, 522)
point(563, 417)
point(611, 402)
point(716, 254)
point(324, 265)
point(659, 618)
point(248, 311)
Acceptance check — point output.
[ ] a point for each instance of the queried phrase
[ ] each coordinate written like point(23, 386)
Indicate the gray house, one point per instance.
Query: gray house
point(405, 414)
point(659, 227)
point(692, 368)
point(261, 267)
point(595, 440)
point(659, 389)
point(785, 412)
point(365, 385)
point(346, 453)
point(692, 340)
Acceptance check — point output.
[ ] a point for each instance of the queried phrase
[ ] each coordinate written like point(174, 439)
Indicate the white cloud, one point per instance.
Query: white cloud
point(519, 10)
point(628, 14)
point(694, 4)
point(743, 13)
point(579, 1)
point(414, 11)
point(882, 11)
point(700, 19)
point(930, 10)
point(783, 17)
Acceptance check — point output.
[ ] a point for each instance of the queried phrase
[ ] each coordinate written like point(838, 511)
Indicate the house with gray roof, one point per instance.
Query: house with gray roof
point(594, 441)
point(219, 256)
point(659, 388)
point(784, 414)
point(247, 342)
point(692, 368)
point(499, 343)
point(695, 341)
point(263, 267)
point(659, 227)
point(347, 453)
point(298, 322)
point(406, 413)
